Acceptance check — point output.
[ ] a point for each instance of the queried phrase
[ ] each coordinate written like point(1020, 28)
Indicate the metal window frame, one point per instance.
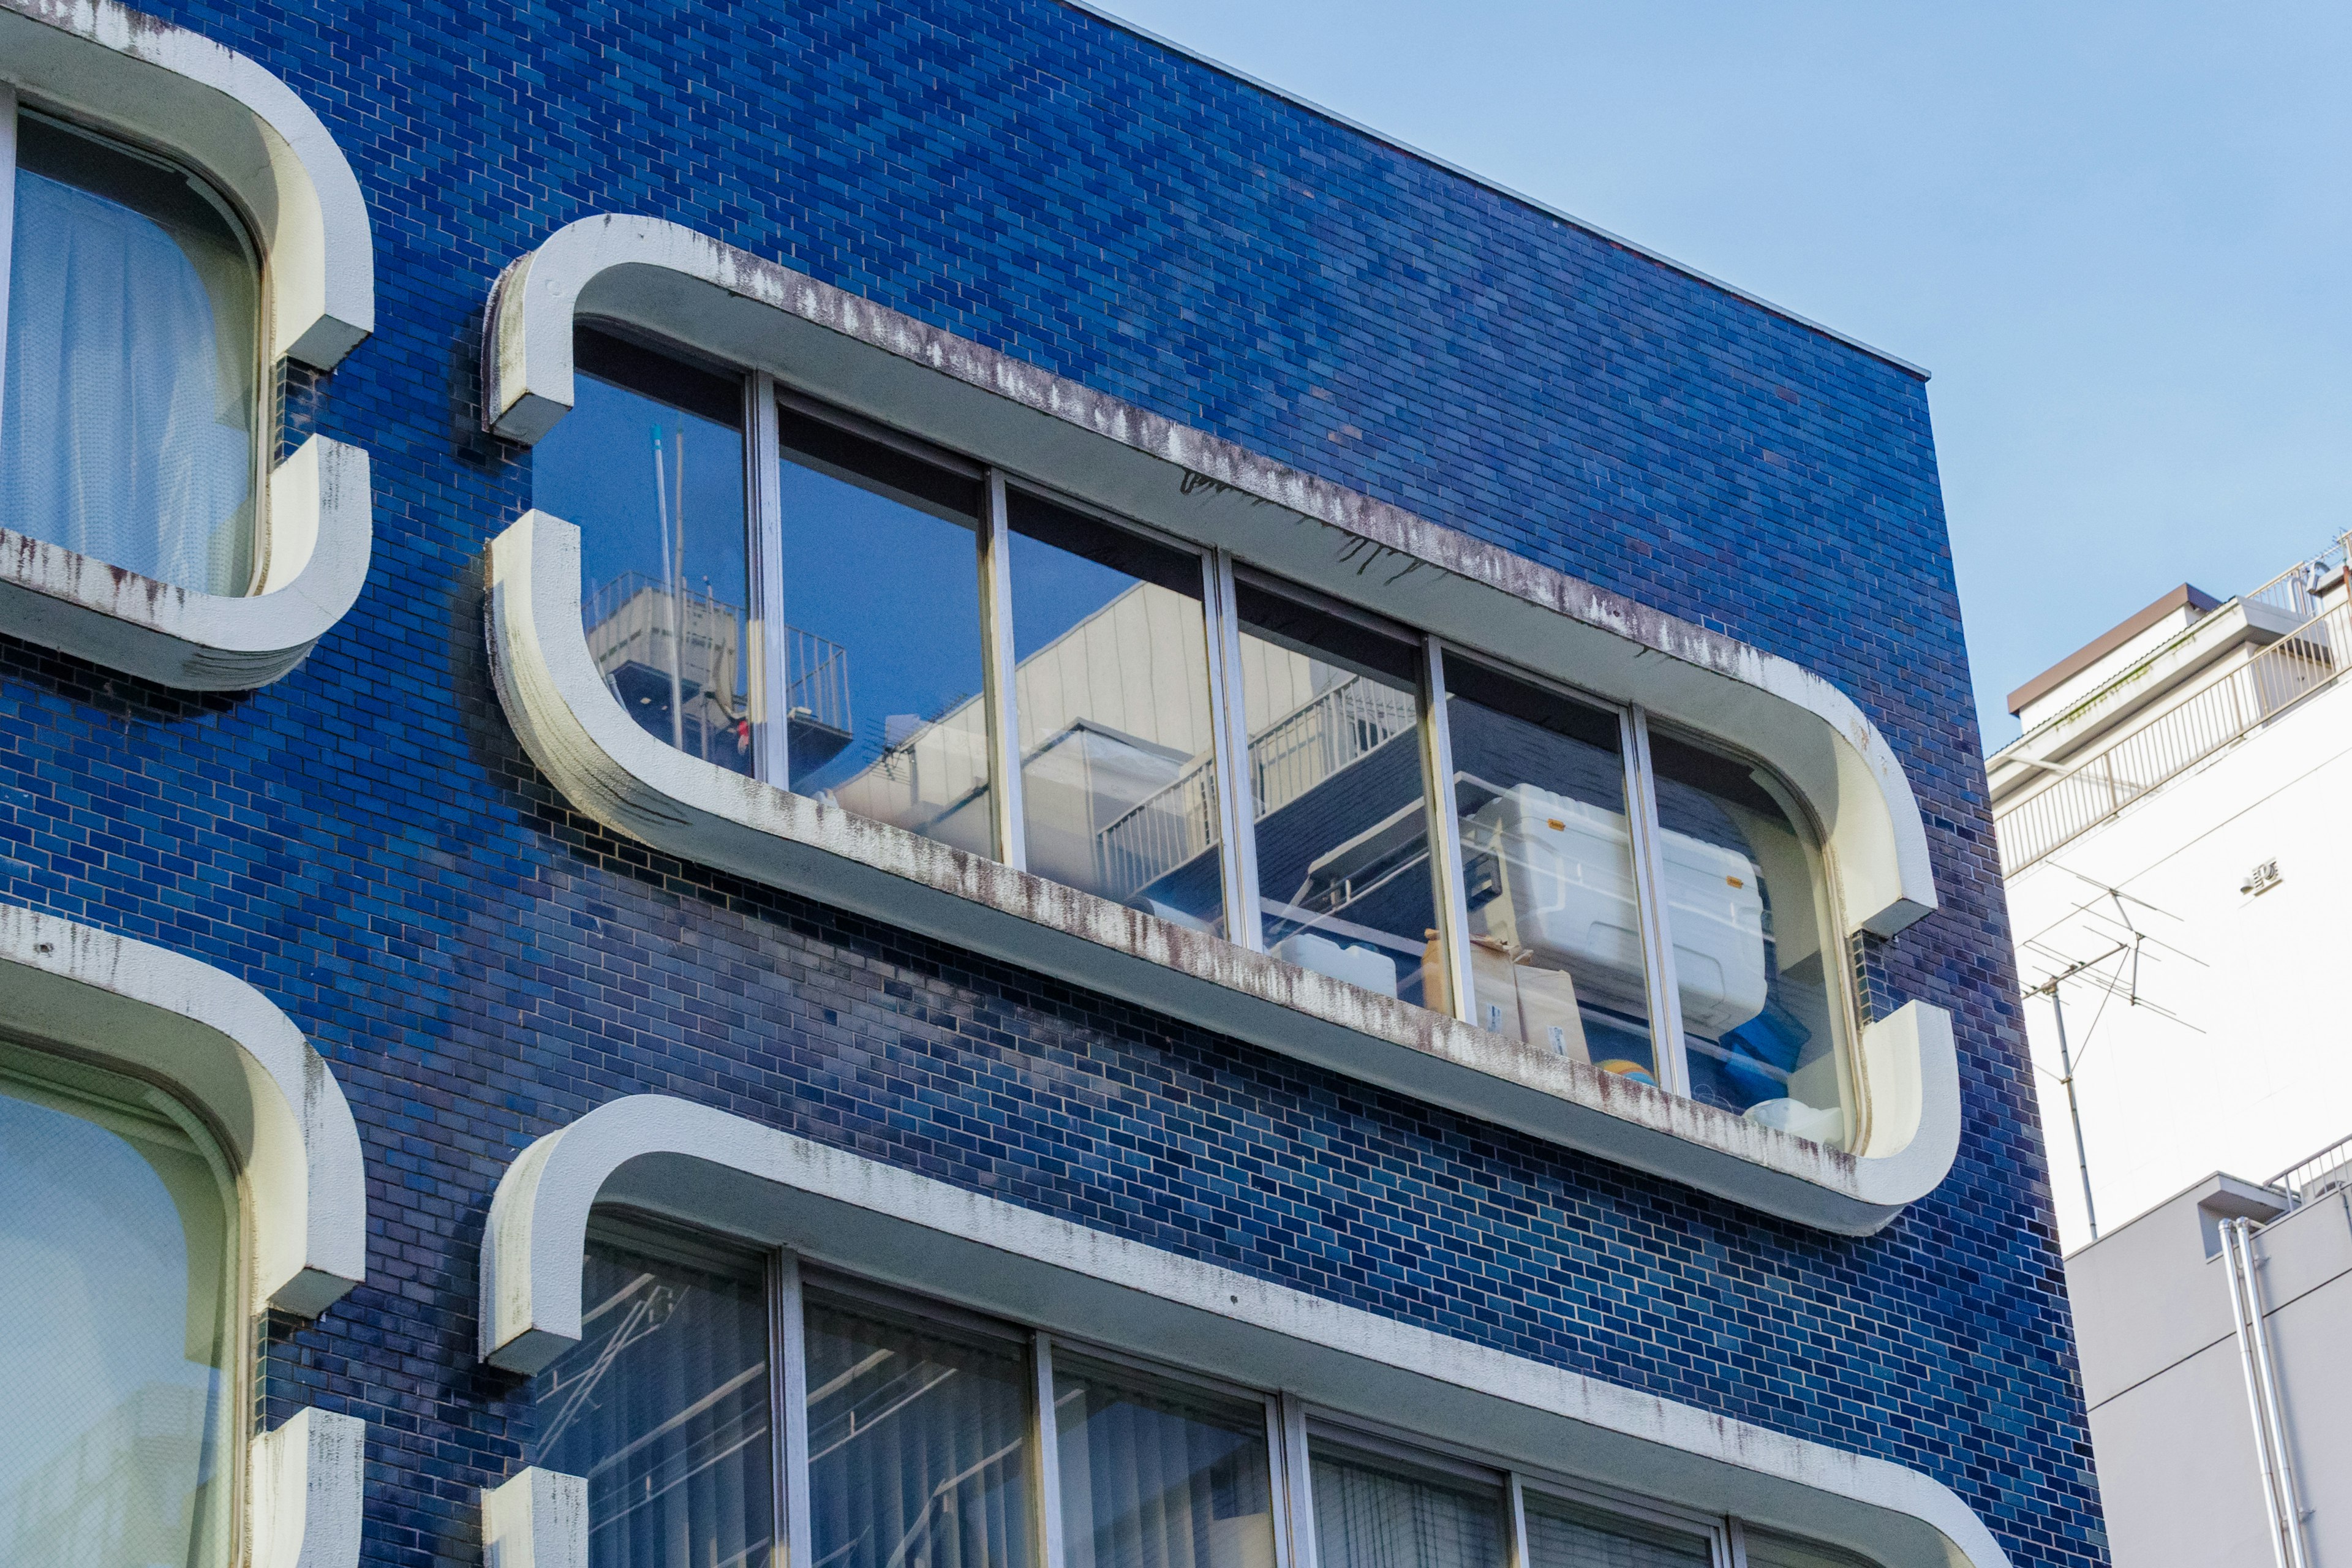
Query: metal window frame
point(998, 672)
point(1666, 1047)
point(7, 218)
point(771, 665)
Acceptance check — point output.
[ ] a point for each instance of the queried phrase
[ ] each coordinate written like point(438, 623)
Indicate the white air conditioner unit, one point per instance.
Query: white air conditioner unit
point(1566, 897)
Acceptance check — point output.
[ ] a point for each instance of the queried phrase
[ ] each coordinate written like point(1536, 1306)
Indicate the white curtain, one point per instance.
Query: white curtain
point(1367, 1518)
point(1155, 1480)
point(128, 434)
point(1560, 1536)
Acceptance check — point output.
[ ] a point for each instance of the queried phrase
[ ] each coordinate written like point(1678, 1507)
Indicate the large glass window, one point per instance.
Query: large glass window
point(128, 431)
point(1339, 796)
point(1157, 1476)
point(664, 1408)
point(649, 465)
point(1379, 1514)
point(120, 1323)
point(1118, 782)
point(919, 1442)
point(881, 569)
point(1196, 740)
point(939, 1438)
point(1556, 955)
point(1756, 958)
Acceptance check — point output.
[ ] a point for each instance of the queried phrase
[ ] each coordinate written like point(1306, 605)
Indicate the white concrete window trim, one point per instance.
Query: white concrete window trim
point(657, 1155)
point(768, 319)
point(119, 70)
point(220, 1047)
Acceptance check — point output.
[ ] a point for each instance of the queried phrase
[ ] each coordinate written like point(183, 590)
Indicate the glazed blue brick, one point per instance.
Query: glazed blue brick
point(365, 841)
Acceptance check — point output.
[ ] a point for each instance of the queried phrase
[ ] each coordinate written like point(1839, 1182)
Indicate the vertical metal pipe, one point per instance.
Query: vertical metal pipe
point(788, 1386)
point(2074, 1111)
point(1453, 910)
point(768, 658)
point(997, 677)
point(1229, 723)
point(1045, 1470)
point(1650, 890)
point(2274, 1402)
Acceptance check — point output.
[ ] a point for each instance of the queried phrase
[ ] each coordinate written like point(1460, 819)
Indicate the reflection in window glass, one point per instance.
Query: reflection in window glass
point(882, 589)
point(1766, 1549)
point(1378, 1518)
point(663, 1407)
point(1335, 769)
point(133, 364)
point(919, 1450)
point(1561, 1535)
point(1118, 782)
point(118, 1316)
point(1755, 959)
point(1152, 1478)
point(649, 465)
point(1548, 872)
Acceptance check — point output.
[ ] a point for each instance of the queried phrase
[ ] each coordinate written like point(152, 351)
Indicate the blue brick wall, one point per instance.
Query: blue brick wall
point(365, 842)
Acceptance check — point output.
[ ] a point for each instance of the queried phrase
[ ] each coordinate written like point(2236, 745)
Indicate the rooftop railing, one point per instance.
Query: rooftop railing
point(2329, 1171)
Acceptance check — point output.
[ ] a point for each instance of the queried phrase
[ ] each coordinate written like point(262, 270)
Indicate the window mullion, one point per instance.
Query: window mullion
point(7, 221)
point(788, 1392)
point(1229, 724)
point(771, 635)
point(1444, 831)
point(1650, 888)
point(1731, 1545)
point(1296, 1481)
point(1045, 1439)
point(1515, 1496)
point(997, 669)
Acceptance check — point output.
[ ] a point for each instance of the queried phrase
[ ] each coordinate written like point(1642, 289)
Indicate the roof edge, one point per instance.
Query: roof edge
point(1508, 193)
point(2188, 596)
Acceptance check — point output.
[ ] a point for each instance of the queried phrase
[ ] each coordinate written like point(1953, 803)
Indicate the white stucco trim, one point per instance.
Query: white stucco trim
point(307, 1484)
point(535, 1519)
point(610, 768)
point(238, 124)
point(315, 561)
point(763, 316)
point(666, 1156)
point(220, 1047)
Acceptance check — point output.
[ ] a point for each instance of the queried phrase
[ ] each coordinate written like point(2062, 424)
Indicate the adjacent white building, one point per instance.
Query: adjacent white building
point(2176, 834)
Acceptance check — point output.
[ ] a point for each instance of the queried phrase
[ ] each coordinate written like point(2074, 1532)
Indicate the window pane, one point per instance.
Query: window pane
point(1561, 1535)
point(116, 1281)
point(649, 465)
point(1336, 780)
point(1156, 1478)
point(1754, 954)
point(133, 360)
point(1769, 1551)
point(919, 1450)
point(882, 589)
point(1548, 871)
point(1379, 1518)
point(663, 1407)
point(1119, 781)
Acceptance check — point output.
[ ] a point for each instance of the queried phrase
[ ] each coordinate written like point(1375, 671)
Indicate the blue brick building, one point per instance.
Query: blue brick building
point(887, 783)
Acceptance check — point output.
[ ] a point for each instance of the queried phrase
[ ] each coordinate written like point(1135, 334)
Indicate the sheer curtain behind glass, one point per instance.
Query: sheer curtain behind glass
point(118, 1332)
point(1374, 1517)
point(649, 467)
point(133, 311)
point(919, 1449)
point(1153, 1478)
point(663, 1407)
point(1561, 1535)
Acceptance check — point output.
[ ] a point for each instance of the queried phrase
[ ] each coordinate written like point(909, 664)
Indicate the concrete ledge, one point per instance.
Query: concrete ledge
point(535, 1519)
point(238, 123)
point(217, 1043)
point(314, 551)
point(668, 1157)
point(611, 769)
point(308, 1479)
point(950, 390)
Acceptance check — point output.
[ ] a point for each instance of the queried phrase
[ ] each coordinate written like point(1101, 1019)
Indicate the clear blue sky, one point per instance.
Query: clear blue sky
point(2117, 234)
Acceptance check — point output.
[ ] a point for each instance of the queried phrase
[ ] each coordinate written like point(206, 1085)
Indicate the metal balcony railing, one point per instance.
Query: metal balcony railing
point(2095, 790)
point(629, 619)
point(2325, 1172)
